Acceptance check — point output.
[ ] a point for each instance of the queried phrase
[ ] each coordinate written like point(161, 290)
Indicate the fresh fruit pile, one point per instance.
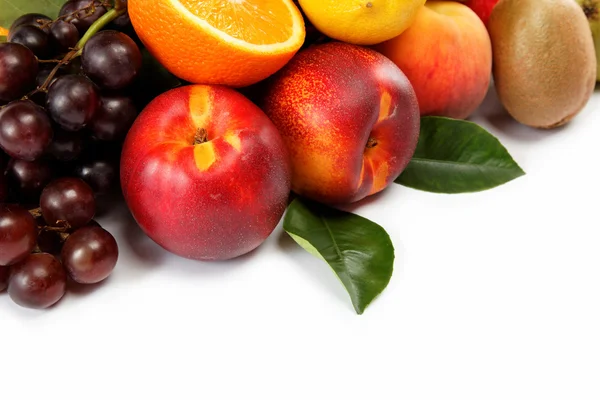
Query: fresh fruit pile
point(65, 112)
point(332, 100)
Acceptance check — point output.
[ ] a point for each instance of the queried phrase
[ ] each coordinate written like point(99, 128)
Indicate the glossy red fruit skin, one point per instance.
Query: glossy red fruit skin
point(38, 20)
point(112, 60)
point(221, 212)
point(25, 130)
point(32, 37)
point(18, 69)
point(29, 177)
point(37, 282)
point(68, 199)
point(483, 8)
point(90, 255)
point(349, 117)
point(18, 233)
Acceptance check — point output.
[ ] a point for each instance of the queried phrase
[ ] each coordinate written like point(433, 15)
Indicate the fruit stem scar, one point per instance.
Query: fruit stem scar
point(372, 142)
point(201, 136)
point(369, 4)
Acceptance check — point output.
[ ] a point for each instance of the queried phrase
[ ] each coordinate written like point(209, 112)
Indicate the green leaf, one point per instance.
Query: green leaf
point(359, 251)
point(13, 9)
point(456, 156)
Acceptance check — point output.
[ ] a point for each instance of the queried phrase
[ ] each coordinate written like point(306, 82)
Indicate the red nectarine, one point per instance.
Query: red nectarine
point(205, 173)
point(349, 118)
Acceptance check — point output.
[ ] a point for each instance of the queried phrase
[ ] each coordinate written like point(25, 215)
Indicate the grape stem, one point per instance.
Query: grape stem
point(62, 226)
point(88, 10)
point(76, 51)
point(61, 229)
point(99, 24)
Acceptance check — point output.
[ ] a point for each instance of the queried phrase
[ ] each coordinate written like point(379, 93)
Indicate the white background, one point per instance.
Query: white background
point(495, 295)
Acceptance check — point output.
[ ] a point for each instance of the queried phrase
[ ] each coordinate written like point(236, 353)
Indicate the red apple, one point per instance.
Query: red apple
point(349, 117)
point(205, 173)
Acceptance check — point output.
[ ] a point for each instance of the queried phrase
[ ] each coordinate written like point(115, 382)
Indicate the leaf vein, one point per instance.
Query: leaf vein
point(450, 162)
point(335, 244)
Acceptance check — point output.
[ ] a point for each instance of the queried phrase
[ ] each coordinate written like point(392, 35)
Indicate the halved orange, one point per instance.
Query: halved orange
point(229, 42)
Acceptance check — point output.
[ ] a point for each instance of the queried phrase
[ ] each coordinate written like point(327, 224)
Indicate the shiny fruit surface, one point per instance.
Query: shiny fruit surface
point(205, 173)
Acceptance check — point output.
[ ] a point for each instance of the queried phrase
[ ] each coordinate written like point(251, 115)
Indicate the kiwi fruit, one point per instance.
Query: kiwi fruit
point(591, 8)
point(544, 60)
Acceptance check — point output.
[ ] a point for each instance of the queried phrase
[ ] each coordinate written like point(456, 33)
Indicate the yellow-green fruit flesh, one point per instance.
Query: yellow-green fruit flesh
point(591, 8)
point(544, 60)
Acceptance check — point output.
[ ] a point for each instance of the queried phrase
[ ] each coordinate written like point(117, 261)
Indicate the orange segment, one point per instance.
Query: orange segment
point(3, 31)
point(228, 42)
point(253, 21)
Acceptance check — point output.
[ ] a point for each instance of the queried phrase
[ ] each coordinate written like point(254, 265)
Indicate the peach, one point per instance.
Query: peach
point(483, 8)
point(447, 56)
point(349, 118)
point(205, 173)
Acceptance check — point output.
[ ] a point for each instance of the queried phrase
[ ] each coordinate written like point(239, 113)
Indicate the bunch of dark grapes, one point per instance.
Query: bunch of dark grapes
point(65, 108)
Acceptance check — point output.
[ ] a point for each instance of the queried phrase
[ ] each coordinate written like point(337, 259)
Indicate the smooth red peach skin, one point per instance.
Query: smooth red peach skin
point(328, 102)
point(447, 56)
point(483, 8)
point(211, 201)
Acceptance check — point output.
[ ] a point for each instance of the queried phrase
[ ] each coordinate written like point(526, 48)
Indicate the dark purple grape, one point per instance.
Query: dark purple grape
point(39, 98)
point(66, 146)
point(73, 67)
point(4, 159)
point(70, 200)
point(44, 73)
point(90, 255)
point(29, 178)
point(32, 37)
point(3, 181)
point(94, 223)
point(18, 69)
point(114, 117)
point(72, 102)
point(50, 242)
point(85, 18)
point(111, 59)
point(4, 275)
point(37, 282)
point(64, 36)
point(122, 22)
point(3, 188)
point(18, 233)
point(39, 20)
point(25, 130)
point(101, 150)
point(101, 175)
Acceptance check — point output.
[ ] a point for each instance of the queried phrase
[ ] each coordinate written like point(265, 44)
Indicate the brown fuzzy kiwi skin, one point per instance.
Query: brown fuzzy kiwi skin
point(544, 60)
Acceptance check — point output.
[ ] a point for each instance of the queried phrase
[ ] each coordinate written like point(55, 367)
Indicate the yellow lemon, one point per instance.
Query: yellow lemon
point(363, 22)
